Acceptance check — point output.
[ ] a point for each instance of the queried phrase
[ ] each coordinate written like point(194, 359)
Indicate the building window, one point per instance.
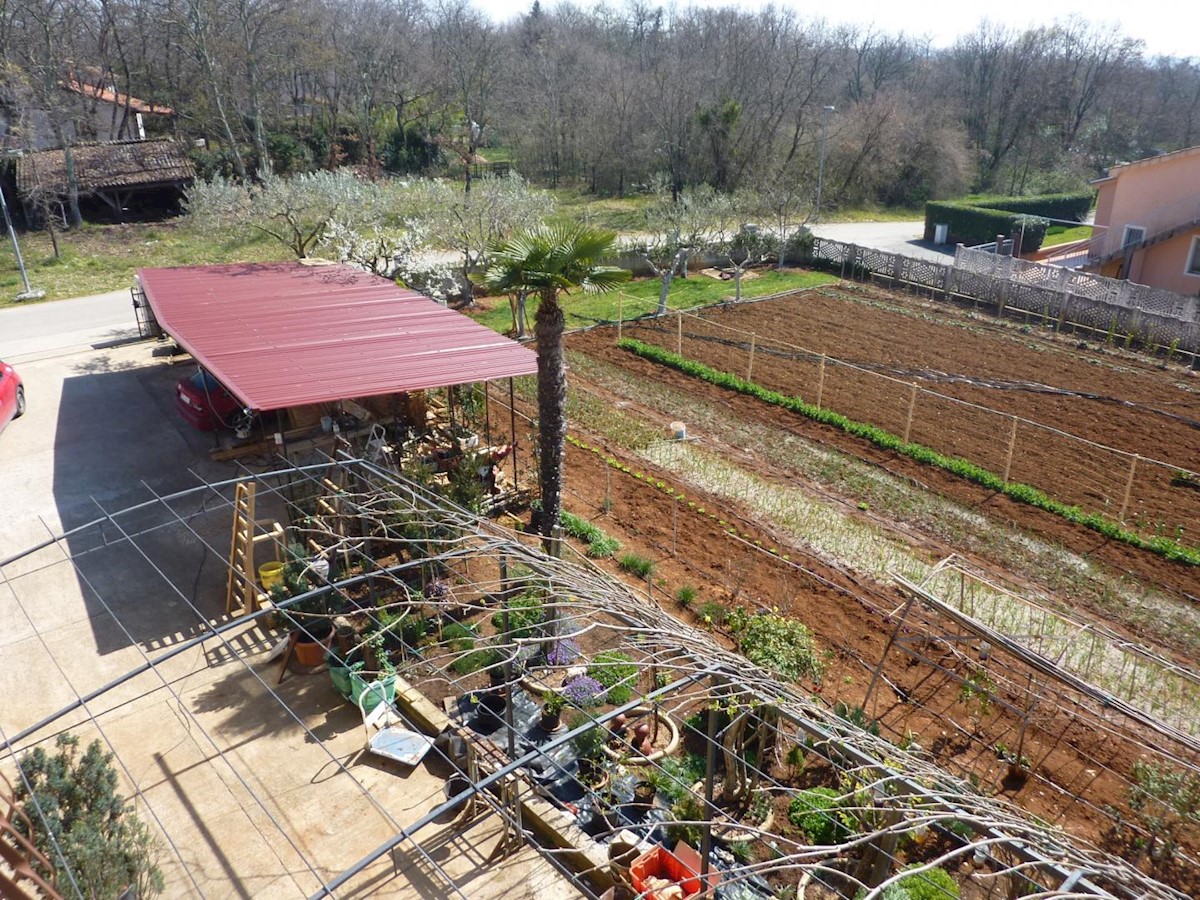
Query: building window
point(1193, 262)
point(1134, 234)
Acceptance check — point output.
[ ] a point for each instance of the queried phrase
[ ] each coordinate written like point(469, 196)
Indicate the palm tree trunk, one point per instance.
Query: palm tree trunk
point(552, 408)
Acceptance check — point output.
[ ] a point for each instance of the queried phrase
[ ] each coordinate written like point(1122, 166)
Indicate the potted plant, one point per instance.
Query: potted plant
point(376, 667)
point(310, 619)
point(644, 793)
point(589, 748)
point(552, 707)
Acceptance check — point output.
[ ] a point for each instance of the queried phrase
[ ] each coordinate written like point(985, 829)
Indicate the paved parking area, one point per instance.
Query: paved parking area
point(254, 787)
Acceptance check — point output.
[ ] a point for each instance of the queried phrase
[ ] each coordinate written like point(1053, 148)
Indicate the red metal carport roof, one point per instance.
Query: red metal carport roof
point(285, 334)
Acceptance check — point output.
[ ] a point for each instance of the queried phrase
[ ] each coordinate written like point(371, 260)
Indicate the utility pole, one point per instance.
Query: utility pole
point(826, 110)
point(29, 293)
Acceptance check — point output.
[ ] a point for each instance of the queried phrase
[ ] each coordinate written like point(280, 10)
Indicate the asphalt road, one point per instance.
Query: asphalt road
point(892, 237)
point(66, 326)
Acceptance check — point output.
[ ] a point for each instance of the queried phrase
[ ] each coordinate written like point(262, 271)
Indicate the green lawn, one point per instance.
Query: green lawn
point(641, 297)
point(614, 213)
point(1064, 234)
point(104, 257)
point(873, 214)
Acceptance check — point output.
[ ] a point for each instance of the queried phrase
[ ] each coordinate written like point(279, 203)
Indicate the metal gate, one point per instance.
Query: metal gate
point(148, 326)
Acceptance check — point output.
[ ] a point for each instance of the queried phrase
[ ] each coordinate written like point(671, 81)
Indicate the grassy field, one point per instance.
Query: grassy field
point(640, 297)
point(104, 257)
point(1063, 234)
point(614, 213)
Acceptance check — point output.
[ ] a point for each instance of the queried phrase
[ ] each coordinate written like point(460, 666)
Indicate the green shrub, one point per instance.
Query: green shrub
point(636, 564)
point(968, 224)
point(780, 645)
point(459, 637)
point(90, 833)
point(688, 809)
point(712, 614)
point(413, 629)
point(617, 672)
point(814, 812)
point(483, 658)
point(686, 595)
point(674, 776)
point(1073, 206)
point(587, 744)
point(599, 544)
point(933, 884)
point(603, 547)
point(525, 615)
point(578, 527)
point(1164, 800)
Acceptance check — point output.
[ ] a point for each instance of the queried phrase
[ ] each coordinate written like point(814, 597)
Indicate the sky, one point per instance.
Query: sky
point(1165, 31)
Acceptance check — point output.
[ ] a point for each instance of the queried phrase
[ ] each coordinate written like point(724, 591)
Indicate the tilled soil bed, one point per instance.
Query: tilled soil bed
point(1151, 411)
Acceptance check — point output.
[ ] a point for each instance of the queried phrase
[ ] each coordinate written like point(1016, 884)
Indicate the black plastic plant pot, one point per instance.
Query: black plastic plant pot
point(644, 793)
point(494, 703)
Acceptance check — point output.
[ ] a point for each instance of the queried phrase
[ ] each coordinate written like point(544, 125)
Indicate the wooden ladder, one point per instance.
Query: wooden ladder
point(241, 587)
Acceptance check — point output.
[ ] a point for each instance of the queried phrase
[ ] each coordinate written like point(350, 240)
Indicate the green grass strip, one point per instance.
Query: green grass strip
point(956, 465)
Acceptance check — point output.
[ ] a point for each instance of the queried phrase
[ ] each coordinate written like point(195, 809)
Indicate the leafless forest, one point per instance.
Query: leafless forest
point(609, 98)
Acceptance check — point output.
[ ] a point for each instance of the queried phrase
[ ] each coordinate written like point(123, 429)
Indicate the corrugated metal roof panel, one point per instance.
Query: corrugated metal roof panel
point(286, 334)
point(110, 164)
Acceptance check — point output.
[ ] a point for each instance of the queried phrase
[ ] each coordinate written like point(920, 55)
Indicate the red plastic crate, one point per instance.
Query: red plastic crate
point(659, 862)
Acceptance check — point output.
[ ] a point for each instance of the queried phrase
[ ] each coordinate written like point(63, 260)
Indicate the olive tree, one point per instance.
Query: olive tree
point(296, 210)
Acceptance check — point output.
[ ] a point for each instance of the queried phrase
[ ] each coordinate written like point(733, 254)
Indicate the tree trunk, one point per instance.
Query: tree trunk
point(665, 289)
point(552, 408)
point(76, 217)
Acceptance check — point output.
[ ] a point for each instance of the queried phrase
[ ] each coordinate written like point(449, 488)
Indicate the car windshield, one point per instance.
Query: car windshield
point(205, 381)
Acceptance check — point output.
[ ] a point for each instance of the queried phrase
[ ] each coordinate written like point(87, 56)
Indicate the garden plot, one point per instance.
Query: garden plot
point(1083, 428)
point(1155, 685)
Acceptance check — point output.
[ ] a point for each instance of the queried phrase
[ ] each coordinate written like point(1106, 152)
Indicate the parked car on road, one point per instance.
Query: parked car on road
point(12, 395)
point(205, 403)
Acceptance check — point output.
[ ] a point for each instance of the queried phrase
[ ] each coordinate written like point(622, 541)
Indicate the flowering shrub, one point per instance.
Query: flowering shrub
point(583, 692)
point(563, 653)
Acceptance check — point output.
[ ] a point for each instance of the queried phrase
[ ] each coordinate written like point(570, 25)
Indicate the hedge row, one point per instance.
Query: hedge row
point(1053, 206)
point(979, 221)
point(973, 225)
point(964, 468)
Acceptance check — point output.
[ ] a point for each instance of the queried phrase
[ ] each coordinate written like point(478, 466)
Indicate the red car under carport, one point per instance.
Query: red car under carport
point(204, 402)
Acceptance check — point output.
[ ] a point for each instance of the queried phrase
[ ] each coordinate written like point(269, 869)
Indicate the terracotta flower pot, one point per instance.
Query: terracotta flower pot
point(308, 652)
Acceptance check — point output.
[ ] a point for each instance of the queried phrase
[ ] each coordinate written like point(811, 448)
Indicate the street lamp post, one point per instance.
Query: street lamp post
point(826, 110)
point(29, 293)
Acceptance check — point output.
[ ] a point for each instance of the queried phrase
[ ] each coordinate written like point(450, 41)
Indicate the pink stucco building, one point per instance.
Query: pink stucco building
point(1151, 212)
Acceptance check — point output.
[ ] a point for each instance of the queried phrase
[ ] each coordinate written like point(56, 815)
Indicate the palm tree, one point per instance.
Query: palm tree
point(548, 262)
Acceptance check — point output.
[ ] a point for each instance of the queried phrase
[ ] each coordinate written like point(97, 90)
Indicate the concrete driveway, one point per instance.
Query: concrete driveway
point(892, 237)
point(252, 786)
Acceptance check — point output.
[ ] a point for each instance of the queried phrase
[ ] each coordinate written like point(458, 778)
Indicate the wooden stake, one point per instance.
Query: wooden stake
point(1012, 443)
point(750, 366)
point(912, 405)
point(675, 531)
point(821, 381)
point(620, 314)
point(1128, 487)
point(679, 334)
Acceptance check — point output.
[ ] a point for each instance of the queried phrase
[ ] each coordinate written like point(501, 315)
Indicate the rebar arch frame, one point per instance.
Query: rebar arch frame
point(904, 791)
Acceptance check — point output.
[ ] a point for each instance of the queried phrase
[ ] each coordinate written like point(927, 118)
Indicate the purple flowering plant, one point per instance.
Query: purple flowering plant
point(563, 653)
point(583, 692)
